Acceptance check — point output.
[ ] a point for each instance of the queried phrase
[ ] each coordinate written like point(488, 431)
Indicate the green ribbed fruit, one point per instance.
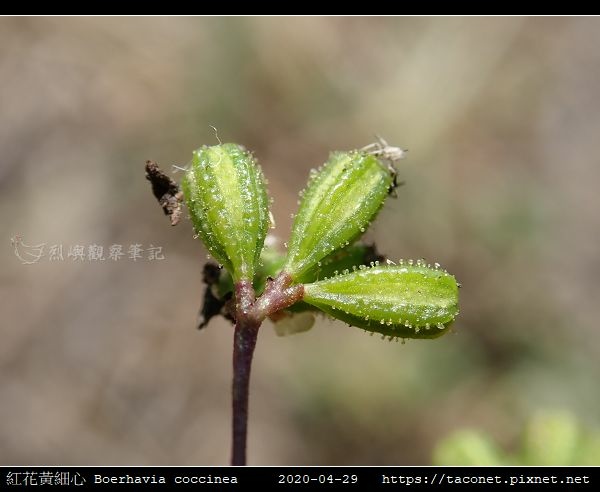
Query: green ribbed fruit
point(340, 201)
point(406, 300)
point(226, 196)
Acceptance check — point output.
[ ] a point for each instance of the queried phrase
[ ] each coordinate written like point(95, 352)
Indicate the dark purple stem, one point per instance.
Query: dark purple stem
point(249, 316)
point(243, 349)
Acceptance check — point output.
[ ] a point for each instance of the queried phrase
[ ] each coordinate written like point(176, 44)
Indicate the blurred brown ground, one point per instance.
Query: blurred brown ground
point(100, 362)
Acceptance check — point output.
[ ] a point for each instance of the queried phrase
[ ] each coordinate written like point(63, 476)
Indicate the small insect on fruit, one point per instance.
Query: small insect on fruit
point(382, 149)
point(389, 153)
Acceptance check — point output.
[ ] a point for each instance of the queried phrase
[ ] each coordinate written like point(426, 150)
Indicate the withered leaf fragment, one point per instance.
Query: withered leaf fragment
point(166, 191)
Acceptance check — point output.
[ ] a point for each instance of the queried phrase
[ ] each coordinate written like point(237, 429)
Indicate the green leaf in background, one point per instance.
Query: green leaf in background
point(407, 300)
point(225, 193)
point(340, 201)
point(551, 438)
point(588, 453)
point(467, 448)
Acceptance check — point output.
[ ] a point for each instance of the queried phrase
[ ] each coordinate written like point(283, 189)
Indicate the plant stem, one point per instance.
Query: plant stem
point(244, 341)
point(249, 316)
point(243, 348)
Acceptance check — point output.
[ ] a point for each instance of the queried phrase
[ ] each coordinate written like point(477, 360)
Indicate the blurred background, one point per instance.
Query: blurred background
point(100, 361)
